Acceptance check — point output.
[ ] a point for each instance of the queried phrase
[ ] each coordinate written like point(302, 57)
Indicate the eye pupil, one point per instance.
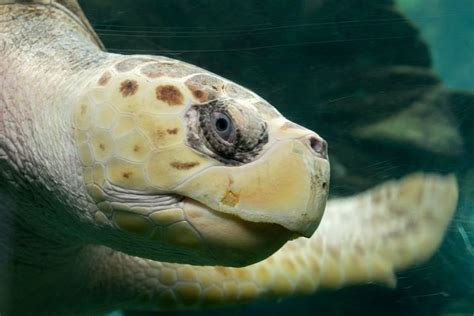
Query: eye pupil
point(222, 124)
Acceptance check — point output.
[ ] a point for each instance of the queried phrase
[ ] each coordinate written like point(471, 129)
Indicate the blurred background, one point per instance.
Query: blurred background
point(389, 84)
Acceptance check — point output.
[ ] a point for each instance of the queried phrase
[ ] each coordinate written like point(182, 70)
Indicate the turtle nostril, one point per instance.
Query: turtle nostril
point(319, 146)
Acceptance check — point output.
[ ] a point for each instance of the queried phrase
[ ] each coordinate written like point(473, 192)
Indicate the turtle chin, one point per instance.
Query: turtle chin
point(233, 241)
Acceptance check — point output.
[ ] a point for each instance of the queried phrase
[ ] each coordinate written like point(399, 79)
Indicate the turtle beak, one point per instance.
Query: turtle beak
point(287, 185)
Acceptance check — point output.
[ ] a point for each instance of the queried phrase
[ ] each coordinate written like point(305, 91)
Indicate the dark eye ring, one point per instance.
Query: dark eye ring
point(223, 126)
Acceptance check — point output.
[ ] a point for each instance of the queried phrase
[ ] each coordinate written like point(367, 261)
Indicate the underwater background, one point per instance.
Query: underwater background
point(389, 85)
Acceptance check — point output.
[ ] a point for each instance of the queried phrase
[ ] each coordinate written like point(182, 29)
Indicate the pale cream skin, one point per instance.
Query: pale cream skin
point(105, 192)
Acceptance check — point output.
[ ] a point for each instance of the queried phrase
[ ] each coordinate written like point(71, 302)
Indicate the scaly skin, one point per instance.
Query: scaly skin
point(63, 194)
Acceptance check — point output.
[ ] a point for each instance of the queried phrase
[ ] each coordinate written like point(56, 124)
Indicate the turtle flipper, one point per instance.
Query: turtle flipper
point(367, 237)
point(362, 239)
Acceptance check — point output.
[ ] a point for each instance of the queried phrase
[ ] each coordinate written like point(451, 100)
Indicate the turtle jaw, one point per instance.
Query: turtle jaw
point(231, 240)
point(287, 186)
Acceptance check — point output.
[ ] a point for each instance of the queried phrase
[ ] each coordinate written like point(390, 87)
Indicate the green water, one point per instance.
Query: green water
point(341, 67)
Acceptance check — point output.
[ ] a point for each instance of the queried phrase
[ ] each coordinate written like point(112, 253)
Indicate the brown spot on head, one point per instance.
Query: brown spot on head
point(201, 95)
point(128, 87)
point(136, 148)
point(184, 165)
point(205, 87)
point(159, 137)
point(172, 131)
point(102, 146)
point(169, 94)
point(200, 92)
point(127, 175)
point(104, 79)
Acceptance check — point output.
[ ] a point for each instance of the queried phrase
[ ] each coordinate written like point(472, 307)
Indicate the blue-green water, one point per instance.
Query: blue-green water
point(337, 67)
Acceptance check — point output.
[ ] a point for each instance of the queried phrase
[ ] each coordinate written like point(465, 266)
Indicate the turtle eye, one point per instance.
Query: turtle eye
point(223, 126)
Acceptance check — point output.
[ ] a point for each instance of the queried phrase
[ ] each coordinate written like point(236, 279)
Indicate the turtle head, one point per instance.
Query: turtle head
point(182, 165)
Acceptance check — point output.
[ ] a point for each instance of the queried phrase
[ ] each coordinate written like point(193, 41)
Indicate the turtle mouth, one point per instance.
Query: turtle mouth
point(195, 209)
point(239, 241)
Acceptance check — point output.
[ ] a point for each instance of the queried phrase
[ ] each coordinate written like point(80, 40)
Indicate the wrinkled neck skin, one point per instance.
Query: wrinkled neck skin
point(45, 54)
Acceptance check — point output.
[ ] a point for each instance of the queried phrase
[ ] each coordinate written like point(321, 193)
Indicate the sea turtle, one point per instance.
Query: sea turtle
point(143, 182)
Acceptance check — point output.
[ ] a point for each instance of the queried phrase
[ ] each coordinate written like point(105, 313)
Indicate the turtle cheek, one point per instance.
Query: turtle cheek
point(286, 186)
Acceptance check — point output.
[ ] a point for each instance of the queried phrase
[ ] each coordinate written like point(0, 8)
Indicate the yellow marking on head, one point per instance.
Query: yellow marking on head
point(102, 146)
point(85, 155)
point(134, 147)
point(105, 117)
point(126, 174)
point(133, 223)
point(125, 124)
